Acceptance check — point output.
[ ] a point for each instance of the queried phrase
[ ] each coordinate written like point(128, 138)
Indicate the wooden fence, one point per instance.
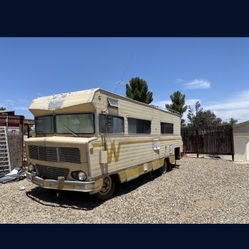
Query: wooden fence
point(215, 141)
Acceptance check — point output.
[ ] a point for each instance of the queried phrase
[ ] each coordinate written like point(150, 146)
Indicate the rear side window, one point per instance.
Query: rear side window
point(167, 128)
point(111, 124)
point(139, 126)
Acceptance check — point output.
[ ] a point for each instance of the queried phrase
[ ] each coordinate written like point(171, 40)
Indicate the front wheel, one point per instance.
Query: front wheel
point(107, 189)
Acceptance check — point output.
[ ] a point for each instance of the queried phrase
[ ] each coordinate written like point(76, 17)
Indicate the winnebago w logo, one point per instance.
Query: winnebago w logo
point(114, 150)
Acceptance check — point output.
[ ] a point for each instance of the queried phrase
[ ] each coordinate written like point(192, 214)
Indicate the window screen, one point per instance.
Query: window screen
point(138, 126)
point(167, 128)
point(111, 124)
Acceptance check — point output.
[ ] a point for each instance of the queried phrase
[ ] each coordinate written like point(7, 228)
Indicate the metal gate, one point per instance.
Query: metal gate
point(214, 140)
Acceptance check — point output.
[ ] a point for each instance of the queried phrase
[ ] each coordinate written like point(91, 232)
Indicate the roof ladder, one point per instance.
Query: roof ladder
point(5, 166)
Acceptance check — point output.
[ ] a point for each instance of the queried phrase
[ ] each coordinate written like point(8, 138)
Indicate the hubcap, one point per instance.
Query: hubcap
point(107, 184)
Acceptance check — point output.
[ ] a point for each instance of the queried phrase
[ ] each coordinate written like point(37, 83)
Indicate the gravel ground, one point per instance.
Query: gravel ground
point(196, 191)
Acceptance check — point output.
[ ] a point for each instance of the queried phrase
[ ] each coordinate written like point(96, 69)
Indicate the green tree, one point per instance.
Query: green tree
point(2, 108)
point(137, 89)
point(202, 118)
point(231, 122)
point(193, 113)
point(178, 104)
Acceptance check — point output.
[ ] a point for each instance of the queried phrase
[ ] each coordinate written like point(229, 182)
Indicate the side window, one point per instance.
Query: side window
point(111, 124)
point(167, 128)
point(139, 126)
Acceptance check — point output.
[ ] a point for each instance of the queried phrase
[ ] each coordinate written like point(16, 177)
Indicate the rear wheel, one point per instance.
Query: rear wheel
point(162, 170)
point(166, 166)
point(107, 189)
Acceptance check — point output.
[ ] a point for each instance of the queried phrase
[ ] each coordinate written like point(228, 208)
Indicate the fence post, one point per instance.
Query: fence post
point(197, 143)
point(28, 131)
point(232, 144)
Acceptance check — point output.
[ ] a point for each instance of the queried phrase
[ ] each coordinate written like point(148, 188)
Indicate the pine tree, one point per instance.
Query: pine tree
point(178, 103)
point(137, 89)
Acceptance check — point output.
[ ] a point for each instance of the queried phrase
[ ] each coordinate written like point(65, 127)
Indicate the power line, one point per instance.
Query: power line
point(120, 82)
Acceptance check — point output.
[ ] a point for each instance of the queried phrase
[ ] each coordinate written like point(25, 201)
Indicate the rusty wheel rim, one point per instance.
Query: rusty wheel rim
point(107, 185)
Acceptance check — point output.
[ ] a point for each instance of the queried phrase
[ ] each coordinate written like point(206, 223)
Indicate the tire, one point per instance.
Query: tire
point(166, 167)
point(107, 190)
point(169, 167)
point(163, 169)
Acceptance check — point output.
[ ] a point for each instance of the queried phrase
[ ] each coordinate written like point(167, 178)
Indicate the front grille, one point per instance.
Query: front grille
point(65, 154)
point(71, 155)
point(47, 172)
point(47, 154)
point(33, 152)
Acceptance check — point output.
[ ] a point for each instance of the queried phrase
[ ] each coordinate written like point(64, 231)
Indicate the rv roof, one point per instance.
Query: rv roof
point(63, 100)
point(141, 103)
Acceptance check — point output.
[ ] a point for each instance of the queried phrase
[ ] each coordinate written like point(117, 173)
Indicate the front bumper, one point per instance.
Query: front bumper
point(62, 184)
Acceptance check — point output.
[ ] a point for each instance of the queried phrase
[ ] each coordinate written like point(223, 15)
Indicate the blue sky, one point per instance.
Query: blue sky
point(214, 71)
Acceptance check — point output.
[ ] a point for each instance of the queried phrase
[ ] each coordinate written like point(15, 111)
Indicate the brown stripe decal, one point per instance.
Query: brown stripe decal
point(115, 150)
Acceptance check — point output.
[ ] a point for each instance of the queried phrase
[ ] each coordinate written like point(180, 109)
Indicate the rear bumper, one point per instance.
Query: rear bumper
point(61, 184)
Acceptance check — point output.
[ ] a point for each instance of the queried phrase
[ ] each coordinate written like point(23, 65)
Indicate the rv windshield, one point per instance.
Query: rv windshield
point(74, 124)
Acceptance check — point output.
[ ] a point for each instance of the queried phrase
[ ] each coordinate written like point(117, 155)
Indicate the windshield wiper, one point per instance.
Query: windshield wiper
point(71, 131)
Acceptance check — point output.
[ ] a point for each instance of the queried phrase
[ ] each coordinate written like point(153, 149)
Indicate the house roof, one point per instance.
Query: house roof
point(241, 124)
point(4, 112)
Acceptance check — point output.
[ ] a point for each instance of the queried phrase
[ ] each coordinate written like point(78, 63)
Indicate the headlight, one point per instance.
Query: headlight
point(81, 176)
point(31, 168)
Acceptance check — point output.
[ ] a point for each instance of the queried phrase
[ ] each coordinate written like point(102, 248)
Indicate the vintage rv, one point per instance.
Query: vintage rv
point(90, 140)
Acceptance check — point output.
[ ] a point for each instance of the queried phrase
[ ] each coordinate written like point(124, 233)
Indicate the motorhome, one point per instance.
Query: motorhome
point(93, 139)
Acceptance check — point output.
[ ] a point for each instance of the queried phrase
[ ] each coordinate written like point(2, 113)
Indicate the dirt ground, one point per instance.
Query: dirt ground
point(198, 190)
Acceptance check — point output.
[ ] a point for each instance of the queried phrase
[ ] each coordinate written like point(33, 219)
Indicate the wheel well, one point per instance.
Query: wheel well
point(166, 160)
point(168, 164)
point(116, 178)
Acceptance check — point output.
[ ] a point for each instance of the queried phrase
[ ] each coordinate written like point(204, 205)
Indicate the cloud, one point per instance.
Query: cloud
point(9, 101)
point(192, 102)
point(197, 84)
point(23, 100)
point(14, 101)
point(236, 107)
point(162, 103)
point(20, 108)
